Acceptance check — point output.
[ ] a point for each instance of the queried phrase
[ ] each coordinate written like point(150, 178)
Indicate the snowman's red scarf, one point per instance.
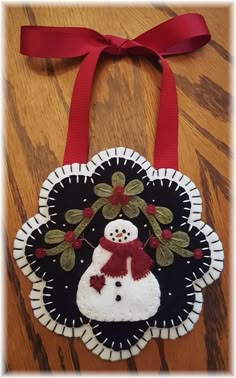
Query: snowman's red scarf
point(116, 266)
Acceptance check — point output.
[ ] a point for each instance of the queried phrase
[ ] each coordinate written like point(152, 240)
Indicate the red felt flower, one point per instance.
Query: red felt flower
point(166, 234)
point(69, 236)
point(88, 212)
point(197, 254)
point(151, 209)
point(40, 253)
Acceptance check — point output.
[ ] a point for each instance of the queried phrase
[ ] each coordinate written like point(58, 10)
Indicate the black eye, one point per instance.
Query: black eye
point(111, 234)
point(124, 231)
point(117, 230)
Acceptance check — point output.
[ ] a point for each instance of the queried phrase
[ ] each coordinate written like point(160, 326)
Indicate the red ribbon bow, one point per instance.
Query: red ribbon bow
point(116, 266)
point(182, 34)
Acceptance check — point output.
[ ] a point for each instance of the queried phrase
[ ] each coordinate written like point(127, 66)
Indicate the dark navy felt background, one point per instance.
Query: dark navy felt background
point(171, 279)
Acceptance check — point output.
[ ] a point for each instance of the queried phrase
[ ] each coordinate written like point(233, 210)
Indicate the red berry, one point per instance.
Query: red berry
point(124, 199)
point(197, 254)
point(88, 212)
point(114, 199)
point(166, 234)
point(118, 190)
point(151, 209)
point(40, 253)
point(154, 242)
point(69, 236)
point(77, 244)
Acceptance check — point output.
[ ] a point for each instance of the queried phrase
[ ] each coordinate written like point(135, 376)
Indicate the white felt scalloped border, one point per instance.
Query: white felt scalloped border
point(85, 171)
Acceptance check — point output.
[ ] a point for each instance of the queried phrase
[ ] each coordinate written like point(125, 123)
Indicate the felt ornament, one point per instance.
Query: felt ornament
point(118, 252)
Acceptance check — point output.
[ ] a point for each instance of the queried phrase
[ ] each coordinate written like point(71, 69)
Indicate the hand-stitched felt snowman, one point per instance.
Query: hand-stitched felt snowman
point(118, 252)
point(118, 285)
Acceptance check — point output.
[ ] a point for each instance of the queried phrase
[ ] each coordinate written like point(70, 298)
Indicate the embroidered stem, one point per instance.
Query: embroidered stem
point(85, 222)
point(86, 241)
point(152, 220)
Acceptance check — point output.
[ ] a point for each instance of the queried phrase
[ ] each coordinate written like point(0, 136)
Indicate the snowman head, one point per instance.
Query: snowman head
point(121, 231)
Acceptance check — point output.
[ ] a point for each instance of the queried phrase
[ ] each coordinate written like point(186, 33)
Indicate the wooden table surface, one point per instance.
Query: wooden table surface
point(123, 112)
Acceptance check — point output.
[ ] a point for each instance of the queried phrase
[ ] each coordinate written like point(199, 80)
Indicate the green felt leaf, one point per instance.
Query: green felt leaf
point(131, 210)
point(175, 248)
point(67, 259)
point(103, 190)
point(57, 250)
point(74, 216)
point(54, 236)
point(118, 179)
point(181, 239)
point(110, 211)
point(134, 187)
point(86, 221)
point(164, 256)
point(164, 215)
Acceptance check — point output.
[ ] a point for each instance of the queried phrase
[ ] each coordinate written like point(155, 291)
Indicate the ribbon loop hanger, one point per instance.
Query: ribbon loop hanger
point(182, 34)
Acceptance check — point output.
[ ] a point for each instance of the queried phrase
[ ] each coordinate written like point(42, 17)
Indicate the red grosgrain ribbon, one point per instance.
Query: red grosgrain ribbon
point(179, 35)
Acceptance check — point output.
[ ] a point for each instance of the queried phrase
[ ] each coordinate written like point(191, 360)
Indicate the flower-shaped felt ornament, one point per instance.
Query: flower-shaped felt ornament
point(116, 279)
point(118, 252)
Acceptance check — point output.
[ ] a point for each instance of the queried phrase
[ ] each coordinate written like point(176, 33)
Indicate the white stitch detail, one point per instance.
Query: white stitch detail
point(188, 279)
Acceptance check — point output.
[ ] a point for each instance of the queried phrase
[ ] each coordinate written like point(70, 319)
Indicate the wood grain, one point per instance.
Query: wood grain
point(123, 112)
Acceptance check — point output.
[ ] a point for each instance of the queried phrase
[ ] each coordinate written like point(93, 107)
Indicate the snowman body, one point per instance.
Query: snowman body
point(120, 298)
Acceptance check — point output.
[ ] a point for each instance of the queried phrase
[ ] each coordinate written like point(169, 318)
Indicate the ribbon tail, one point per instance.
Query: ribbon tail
point(77, 143)
point(166, 142)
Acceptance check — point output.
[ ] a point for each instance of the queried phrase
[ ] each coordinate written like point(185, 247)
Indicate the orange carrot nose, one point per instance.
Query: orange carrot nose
point(119, 235)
